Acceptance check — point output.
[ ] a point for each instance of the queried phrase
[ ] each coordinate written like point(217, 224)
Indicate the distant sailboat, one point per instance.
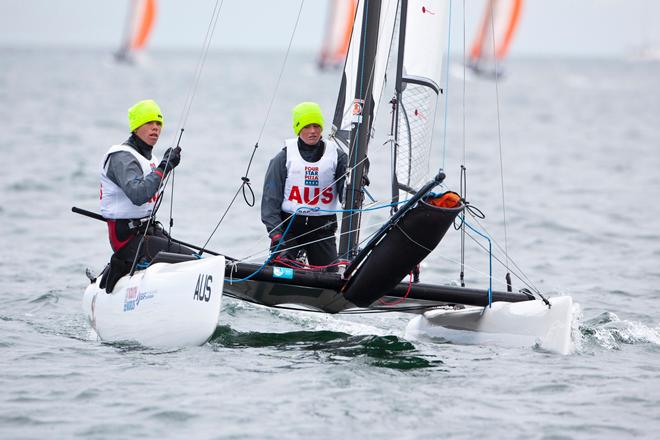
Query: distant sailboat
point(339, 25)
point(139, 23)
point(499, 22)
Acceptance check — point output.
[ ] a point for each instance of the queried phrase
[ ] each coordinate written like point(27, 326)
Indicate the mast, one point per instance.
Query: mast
point(363, 109)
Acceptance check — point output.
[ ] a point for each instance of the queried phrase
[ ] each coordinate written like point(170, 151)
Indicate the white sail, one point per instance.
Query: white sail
point(348, 109)
point(425, 45)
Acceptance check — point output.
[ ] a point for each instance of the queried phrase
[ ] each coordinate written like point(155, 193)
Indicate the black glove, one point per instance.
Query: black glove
point(170, 160)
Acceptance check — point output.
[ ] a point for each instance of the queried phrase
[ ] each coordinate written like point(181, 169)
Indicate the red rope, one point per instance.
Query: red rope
point(399, 301)
point(295, 264)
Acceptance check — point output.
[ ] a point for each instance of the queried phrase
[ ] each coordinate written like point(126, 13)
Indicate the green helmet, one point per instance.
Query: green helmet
point(306, 113)
point(143, 112)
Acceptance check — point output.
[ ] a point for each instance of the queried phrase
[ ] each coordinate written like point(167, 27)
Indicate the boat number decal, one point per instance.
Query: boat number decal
point(203, 287)
point(283, 272)
point(133, 298)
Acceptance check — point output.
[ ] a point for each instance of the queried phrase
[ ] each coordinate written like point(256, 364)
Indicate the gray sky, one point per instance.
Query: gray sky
point(548, 27)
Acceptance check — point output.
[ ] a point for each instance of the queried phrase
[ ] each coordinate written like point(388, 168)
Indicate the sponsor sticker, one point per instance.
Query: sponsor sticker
point(283, 272)
point(358, 106)
point(133, 298)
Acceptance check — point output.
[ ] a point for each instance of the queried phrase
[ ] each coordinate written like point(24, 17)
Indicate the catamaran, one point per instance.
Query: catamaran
point(137, 29)
point(491, 44)
point(380, 271)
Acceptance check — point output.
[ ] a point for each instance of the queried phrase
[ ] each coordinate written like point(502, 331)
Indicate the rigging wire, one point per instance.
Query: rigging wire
point(521, 276)
point(499, 138)
point(183, 118)
point(463, 176)
point(201, 62)
point(444, 142)
point(245, 180)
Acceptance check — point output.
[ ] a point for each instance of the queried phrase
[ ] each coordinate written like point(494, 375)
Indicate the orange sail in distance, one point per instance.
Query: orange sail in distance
point(339, 24)
point(499, 23)
point(139, 23)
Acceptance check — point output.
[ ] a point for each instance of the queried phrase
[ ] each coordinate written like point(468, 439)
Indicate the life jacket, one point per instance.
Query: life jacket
point(310, 184)
point(114, 202)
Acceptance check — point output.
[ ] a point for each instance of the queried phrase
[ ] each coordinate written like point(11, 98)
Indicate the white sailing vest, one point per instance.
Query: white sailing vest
point(114, 202)
point(310, 184)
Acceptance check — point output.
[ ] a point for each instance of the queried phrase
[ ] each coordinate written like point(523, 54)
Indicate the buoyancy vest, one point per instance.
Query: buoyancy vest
point(310, 184)
point(115, 204)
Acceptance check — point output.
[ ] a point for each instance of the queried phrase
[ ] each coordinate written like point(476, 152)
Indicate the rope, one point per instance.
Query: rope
point(490, 262)
point(521, 275)
point(185, 113)
point(201, 62)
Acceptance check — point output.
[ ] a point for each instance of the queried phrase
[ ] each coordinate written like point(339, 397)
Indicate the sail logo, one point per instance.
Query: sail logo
point(203, 287)
point(133, 298)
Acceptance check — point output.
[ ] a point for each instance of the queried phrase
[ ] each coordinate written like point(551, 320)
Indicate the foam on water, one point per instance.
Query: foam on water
point(608, 331)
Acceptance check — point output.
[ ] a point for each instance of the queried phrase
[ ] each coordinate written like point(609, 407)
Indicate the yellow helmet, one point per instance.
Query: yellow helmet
point(143, 112)
point(306, 113)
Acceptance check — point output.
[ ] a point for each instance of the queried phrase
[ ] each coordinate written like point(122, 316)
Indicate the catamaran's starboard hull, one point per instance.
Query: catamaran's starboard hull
point(508, 324)
point(166, 305)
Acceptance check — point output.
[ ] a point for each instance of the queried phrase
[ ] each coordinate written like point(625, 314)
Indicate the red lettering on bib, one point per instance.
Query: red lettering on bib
point(327, 196)
point(313, 200)
point(295, 194)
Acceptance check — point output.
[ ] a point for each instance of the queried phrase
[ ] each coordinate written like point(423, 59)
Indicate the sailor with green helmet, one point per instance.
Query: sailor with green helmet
point(130, 181)
point(307, 178)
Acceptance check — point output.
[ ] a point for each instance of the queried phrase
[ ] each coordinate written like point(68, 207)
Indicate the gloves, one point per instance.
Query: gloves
point(170, 160)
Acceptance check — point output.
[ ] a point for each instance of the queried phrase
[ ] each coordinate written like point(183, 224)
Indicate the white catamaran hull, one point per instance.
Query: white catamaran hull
point(511, 324)
point(166, 305)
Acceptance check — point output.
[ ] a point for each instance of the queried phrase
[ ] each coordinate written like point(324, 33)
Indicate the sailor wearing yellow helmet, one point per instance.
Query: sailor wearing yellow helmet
point(307, 178)
point(130, 181)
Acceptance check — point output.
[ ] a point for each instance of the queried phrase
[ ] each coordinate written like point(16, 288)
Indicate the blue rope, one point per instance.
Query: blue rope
point(444, 141)
point(270, 257)
point(490, 261)
point(289, 226)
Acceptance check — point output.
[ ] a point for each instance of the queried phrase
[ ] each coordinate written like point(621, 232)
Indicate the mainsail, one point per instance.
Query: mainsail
point(139, 23)
point(499, 22)
point(420, 50)
point(337, 33)
point(423, 36)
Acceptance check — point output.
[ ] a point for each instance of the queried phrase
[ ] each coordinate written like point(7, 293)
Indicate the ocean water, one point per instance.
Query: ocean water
point(581, 160)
